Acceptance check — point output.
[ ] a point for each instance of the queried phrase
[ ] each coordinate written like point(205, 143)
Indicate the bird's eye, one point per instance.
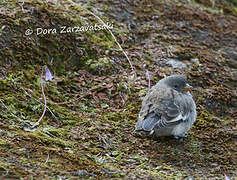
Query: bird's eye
point(175, 86)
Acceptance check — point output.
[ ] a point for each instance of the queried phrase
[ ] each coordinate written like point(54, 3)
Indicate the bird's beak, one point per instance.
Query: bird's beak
point(187, 87)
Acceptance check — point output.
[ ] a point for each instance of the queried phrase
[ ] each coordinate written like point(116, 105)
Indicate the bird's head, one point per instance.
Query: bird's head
point(177, 82)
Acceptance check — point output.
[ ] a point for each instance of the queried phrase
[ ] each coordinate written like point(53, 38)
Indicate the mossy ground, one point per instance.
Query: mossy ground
point(94, 99)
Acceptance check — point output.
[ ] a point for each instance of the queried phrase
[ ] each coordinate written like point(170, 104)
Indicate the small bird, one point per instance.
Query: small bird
point(167, 109)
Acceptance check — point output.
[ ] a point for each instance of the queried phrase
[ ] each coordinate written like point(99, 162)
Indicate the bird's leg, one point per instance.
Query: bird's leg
point(181, 137)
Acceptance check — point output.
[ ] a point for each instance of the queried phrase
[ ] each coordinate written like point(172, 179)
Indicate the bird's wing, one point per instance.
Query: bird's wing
point(161, 108)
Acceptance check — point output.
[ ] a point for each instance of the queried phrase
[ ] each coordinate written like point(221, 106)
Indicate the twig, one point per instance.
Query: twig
point(149, 79)
point(47, 159)
point(97, 17)
point(10, 111)
point(121, 98)
point(114, 39)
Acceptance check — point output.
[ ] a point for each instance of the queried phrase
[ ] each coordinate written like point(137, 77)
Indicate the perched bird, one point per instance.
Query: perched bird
point(167, 109)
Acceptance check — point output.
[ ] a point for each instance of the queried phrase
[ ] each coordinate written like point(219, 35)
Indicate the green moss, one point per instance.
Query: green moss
point(93, 104)
point(3, 142)
point(46, 138)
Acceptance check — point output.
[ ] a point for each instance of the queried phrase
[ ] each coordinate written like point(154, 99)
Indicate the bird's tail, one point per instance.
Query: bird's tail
point(147, 125)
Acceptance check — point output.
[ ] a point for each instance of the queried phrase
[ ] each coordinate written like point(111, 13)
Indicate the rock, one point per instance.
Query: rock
point(230, 53)
point(232, 63)
point(80, 173)
point(176, 64)
point(194, 60)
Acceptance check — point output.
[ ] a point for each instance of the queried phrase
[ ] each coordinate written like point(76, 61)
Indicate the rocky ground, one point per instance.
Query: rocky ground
point(95, 96)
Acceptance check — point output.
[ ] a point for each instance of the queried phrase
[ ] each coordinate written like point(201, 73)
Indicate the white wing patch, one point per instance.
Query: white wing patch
point(178, 118)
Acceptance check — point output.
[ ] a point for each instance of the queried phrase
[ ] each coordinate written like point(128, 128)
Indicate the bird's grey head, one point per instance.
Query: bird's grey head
point(177, 82)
